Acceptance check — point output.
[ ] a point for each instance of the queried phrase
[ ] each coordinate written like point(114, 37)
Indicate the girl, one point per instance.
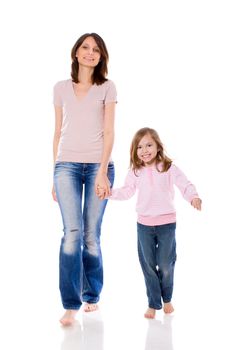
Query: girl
point(83, 141)
point(153, 174)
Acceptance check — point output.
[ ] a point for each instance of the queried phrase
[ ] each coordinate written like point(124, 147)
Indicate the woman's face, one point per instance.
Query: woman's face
point(88, 54)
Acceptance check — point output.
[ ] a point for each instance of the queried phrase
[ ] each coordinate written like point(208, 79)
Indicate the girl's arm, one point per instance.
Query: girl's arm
point(187, 189)
point(128, 190)
point(56, 138)
point(102, 180)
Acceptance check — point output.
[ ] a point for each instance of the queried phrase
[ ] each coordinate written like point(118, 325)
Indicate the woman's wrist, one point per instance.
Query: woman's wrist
point(103, 170)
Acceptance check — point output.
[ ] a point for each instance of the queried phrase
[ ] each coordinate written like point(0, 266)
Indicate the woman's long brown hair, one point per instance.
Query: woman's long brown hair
point(101, 70)
point(161, 157)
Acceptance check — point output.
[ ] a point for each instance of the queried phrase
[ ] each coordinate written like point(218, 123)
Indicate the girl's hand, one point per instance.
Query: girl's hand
point(102, 186)
point(54, 194)
point(196, 203)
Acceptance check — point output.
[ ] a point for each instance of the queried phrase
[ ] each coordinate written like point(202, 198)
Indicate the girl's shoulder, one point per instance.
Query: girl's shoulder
point(135, 173)
point(174, 170)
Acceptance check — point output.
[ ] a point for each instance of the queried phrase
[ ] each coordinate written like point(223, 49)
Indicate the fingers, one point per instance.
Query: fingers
point(107, 189)
point(102, 192)
point(97, 189)
point(196, 203)
point(54, 195)
point(102, 188)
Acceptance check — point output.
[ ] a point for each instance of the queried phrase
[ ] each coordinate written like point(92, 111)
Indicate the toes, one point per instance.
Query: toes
point(90, 307)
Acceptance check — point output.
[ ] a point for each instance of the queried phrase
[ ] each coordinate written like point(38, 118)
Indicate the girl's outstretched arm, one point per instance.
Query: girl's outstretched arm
point(187, 189)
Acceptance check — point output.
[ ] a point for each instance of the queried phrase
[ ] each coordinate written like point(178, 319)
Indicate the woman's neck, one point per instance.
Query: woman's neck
point(85, 75)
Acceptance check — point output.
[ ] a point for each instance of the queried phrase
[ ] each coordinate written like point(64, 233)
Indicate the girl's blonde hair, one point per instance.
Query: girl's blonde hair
point(161, 157)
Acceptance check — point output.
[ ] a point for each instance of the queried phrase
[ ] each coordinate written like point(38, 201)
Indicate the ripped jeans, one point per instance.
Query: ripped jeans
point(80, 260)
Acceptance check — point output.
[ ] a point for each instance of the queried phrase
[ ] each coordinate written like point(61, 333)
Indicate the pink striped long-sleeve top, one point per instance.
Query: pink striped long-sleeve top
point(155, 201)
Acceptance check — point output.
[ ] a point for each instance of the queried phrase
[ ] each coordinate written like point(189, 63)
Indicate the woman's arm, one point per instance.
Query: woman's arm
point(56, 138)
point(57, 131)
point(102, 180)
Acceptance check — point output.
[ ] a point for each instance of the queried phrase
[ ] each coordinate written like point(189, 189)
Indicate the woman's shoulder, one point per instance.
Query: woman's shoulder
point(108, 84)
point(107, 91)
point(62, 84)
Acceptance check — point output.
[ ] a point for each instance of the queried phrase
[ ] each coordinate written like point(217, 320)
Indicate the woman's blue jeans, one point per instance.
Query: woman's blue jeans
point(157, 256)
point(80, 262)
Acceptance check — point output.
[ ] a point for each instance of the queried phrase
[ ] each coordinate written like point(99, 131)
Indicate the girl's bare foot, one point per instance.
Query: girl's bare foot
point(150, 313)
point(90, 307)
point(168, 308)
point(68, 318)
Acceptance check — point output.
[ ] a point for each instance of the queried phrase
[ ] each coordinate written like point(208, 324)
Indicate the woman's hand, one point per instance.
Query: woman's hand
point(102, 185)
point(101, 193)
point(196, 203)
point(54, 194)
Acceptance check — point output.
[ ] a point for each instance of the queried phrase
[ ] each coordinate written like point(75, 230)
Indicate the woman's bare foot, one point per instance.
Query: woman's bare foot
point(90, 307)
point(150, 313)
point(68, 318)
point(168, 308)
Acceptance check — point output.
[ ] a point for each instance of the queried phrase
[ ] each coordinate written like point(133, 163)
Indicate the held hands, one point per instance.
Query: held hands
point(102, 186)
point(101, 193)
point(196, 203)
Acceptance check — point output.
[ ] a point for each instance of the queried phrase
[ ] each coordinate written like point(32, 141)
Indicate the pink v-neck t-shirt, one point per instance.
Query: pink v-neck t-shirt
point(83, 120)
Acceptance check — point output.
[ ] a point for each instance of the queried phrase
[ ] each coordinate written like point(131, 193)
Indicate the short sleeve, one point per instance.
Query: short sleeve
point(111, 93)
point(57, 100)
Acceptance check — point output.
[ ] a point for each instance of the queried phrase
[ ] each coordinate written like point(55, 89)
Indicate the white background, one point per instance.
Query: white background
point(172, 64)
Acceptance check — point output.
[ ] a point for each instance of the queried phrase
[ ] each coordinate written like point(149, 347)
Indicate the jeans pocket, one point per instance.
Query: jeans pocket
point(111, 165)
point(111, 172)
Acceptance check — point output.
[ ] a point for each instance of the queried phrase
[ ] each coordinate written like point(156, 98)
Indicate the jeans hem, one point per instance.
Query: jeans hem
point(155, 307)
point(71, 307)
point(91, 301)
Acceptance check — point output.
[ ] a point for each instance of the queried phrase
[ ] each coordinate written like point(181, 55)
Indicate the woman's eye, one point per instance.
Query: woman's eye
point(96, 50)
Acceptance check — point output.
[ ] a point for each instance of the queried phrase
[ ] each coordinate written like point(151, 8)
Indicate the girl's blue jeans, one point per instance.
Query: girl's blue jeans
point(157, 256)
point(80, 260)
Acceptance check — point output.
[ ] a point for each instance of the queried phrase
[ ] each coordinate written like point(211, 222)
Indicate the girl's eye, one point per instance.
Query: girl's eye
point(139, 147)
point(96, 50)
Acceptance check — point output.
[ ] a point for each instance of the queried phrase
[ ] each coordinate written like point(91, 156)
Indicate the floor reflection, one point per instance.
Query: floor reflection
point(85, 335)
point(159, 334)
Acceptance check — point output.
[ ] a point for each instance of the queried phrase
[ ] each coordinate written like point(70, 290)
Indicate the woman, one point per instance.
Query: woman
point(83, 141)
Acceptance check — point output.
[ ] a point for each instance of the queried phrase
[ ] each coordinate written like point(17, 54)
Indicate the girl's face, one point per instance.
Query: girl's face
point(88, 54)
point(147, 150)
